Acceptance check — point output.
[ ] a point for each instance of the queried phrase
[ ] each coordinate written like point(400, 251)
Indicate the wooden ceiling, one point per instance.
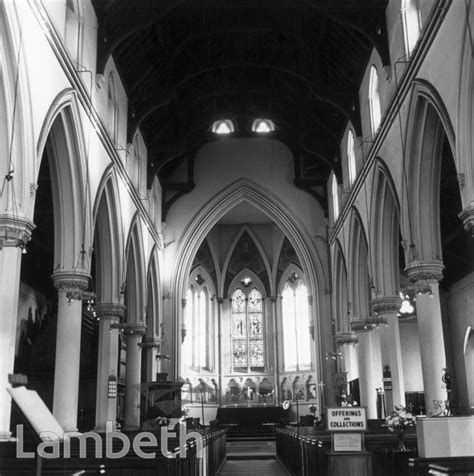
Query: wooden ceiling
point(188, 63)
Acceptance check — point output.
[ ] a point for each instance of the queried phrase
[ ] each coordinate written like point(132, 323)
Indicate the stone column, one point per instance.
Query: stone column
point(134, 333)
point(70, 285)
point(426, 277)
point(220, 301)
point(152, 347)
point(386, 308)
point(14, 234)
point(273, 300)
point(110, 314)
point(368, 381)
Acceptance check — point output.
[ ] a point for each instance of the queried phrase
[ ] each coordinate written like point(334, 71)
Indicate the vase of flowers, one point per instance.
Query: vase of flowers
point(399, 422)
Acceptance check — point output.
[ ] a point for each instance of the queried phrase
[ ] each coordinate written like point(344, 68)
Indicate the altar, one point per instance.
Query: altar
point(251, 420)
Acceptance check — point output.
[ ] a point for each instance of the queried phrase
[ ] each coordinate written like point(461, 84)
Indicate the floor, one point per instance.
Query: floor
point(252, 458)
point(266, 467)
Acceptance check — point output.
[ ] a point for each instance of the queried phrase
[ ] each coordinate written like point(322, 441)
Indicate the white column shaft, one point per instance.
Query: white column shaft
point(433, 356)
point(10, 263)
point(396, 363)
point(132, 382)
point(106, 408)
point(68, 356)
point(367, 377)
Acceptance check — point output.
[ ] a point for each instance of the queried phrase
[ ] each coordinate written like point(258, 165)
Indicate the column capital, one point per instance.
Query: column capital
point(151, 342)
point(134, 329)
point(273, 298)
point(70, 280)
point(386, 304)
point(342, 338)
point(425, 271)
point(220, 300)
point(366, 325)
point(114, 311)
point(467, 217)
point(15, 231)
point(360, 325)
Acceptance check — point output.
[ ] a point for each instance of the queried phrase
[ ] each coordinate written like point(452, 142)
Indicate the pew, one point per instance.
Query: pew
point(305, 450)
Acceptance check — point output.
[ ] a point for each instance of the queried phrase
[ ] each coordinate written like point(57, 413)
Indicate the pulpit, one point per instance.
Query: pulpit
point(161, 399)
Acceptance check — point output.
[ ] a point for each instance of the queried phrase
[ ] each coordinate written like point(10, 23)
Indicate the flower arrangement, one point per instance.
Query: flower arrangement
point(400, 420)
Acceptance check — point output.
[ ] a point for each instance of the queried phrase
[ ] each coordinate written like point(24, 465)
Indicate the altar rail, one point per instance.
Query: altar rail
point(214, 449)
point(312, 446)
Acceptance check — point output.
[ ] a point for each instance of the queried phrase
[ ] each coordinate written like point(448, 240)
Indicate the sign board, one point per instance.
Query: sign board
point(347, 441)
point(347, 419)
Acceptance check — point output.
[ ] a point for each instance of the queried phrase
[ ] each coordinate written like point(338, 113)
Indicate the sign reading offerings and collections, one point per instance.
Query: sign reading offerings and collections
point(347, 419)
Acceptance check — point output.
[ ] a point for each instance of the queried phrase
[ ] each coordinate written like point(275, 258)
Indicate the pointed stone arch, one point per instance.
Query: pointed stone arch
point(340, 290)
point(108, 239)
point(359, 281)
point(246, 229)
point(428, 124)
point(135, 274)
point(154, 309)
point(15, 112)
point(62, 136)
point(385, 232)
point(245, 190)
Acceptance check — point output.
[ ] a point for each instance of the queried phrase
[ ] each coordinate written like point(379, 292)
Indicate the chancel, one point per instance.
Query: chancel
point(245, 228)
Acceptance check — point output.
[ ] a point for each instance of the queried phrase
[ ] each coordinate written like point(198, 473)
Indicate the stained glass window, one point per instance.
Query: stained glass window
point(247, 331)
point(296, 336)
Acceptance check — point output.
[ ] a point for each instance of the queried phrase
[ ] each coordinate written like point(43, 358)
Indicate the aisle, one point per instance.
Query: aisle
point(251, 458)
point(264, 467)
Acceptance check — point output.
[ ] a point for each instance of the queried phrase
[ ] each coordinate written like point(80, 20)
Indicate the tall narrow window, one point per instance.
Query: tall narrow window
point(351, 158)
point(248, 346)
point(411, 24)
point(296, 334)
point(196, 341)
point(374, 101)
point(335, 196)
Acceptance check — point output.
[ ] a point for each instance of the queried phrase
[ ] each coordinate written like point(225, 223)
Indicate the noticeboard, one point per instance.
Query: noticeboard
point(347, 419)
point(347, 442)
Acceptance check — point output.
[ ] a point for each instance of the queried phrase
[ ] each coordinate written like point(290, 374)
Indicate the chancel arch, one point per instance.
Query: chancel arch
point(245, 190)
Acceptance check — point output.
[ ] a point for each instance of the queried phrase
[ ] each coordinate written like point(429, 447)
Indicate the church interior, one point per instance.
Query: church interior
point(243, 215)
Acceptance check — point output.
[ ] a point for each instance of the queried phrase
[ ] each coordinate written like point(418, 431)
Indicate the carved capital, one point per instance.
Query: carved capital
point(220, 300)
point(15, 231)
point(151, 342)
point(73, 280)
point(183, 302)
point(134, 329)
point(425, 271)
point(342, 338)
point(310, 300)
point(113, 311)
point(386, 304)
point(467, 217)
point(273, 298)
point(366, 325)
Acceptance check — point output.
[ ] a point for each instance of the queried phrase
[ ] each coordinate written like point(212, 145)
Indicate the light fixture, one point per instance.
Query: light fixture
point(246, 282)
point(223, 127)
point(263, 126)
